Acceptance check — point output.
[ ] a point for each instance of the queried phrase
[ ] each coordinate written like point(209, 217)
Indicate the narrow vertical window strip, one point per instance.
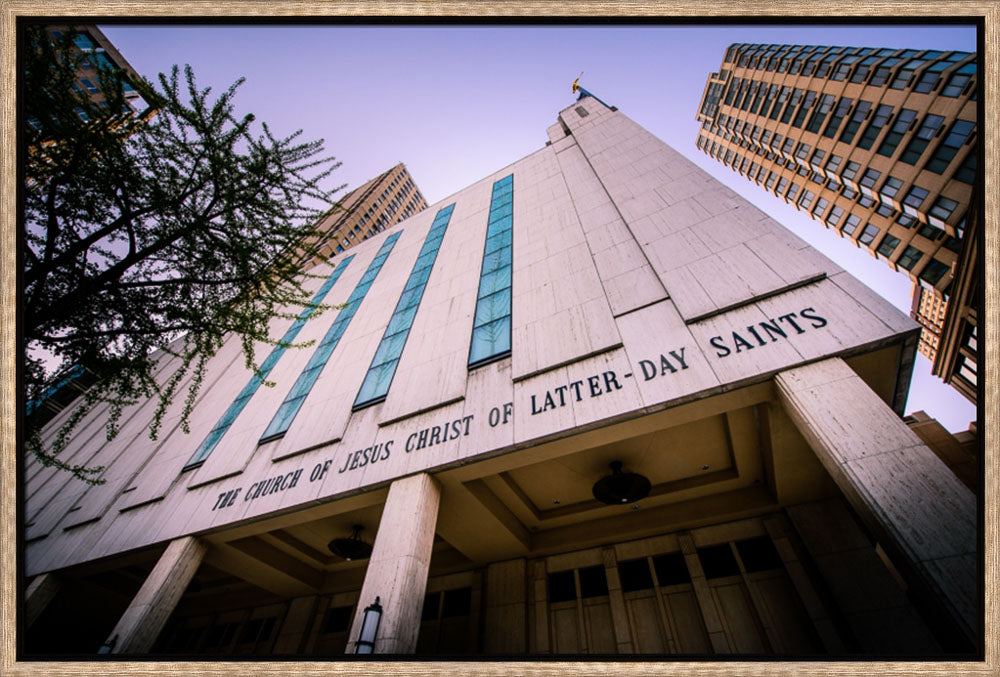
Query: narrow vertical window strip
point(375, 385)
point(310, 374)
point(220, 428)
point(491, 328)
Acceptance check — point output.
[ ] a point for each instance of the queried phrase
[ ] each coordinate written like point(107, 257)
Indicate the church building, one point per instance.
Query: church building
point(594, 403)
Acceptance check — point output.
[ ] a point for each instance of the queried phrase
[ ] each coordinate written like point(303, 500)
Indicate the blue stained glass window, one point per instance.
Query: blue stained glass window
point(491, 326)
point(213, 437)
point(383, 367)
point(307, 379)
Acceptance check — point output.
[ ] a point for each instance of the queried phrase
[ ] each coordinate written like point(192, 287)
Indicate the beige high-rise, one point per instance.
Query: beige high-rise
point(880, 145)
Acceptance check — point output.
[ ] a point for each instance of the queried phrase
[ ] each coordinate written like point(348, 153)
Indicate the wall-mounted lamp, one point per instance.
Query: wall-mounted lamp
point(369, 628)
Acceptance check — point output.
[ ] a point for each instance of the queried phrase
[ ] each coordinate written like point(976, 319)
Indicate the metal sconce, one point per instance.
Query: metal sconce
point(369, 628)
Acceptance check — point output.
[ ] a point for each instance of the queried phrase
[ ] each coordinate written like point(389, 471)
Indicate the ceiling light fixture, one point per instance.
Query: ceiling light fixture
point(351, 548)
point(621, 487)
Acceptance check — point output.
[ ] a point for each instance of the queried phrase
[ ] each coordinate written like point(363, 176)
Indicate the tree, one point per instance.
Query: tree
point(147, 236)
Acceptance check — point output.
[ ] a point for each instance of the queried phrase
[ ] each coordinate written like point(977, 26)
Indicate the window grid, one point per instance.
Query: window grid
point(213, 437)
point(491, 329)
point(300, 390)
point(375, 385)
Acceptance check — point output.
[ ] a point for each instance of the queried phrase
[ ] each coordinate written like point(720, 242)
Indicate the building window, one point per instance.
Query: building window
point(909, 258)
point(792, 192)
point(932, 233)
point(820, 208)
point(782, 98)
point(863, 69)
point(914, 198)
point(841, 70)
point(310, 374)
point(850, 171)
point(833, 218)
point(832, 165)
point(941, 210)
point(967, 170)
point(888, 245)
point(851, 224)
point(967, 370)
point(869, 178)
point(83, 41)
point(868, 235)
point(792, 103)
point(212, 439)
point(874, 128)
point(882, 72)
point(953, 244)
point(843, 106)
point(949, 146)
point(491, 329)
point(806, 200)
point(890, 188)
point(926, 81)
point(807, 104)
point(933, 272)
point(957, 82)
point(928, 128)
point(905, 74)
point(884, 209)
point(852, 126)
point(383, 367)
point(896, 132)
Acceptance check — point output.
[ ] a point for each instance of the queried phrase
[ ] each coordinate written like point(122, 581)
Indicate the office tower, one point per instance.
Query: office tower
point(592, 403)
point(376, 205)
point(879, 145)
point(99, 53)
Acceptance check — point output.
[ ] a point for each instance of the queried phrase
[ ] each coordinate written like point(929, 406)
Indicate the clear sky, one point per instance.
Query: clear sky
point(456, 103)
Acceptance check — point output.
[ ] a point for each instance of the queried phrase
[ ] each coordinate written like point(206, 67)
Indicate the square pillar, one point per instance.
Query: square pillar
point(505, 611)
point(401, 558)
point(914, 505)
point(39, 593)
point(293, 630)
point(145, 617)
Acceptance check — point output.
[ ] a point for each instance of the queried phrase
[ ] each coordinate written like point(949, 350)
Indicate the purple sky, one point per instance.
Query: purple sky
point(456, 103)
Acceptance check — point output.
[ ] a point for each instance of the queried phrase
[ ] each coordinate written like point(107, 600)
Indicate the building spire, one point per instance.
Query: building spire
point(584, 92)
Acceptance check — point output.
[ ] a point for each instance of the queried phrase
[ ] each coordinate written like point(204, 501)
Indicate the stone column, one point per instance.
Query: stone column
point(880, 619)
point(39, 593)
point(703, 593)
point(505, 610)
point(397, 570)
point(144, 618)
point(922, 514)
point(619, 613)
point(293, 630)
